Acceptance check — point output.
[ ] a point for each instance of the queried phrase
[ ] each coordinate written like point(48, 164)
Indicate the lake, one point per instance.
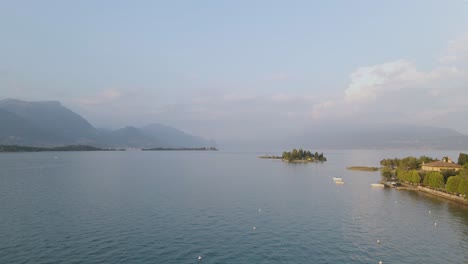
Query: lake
point(171, 207)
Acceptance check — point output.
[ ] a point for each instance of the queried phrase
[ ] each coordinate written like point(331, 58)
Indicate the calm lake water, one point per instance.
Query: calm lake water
point(171, 207)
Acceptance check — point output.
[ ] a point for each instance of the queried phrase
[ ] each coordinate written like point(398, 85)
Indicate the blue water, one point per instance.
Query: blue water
point(171, 207)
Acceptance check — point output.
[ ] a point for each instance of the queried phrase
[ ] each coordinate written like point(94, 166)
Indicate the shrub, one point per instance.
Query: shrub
point(453, 184)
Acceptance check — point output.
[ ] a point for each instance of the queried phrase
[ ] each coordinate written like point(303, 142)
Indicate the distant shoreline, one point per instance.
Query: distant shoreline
point(16, 148)
point(181, 149)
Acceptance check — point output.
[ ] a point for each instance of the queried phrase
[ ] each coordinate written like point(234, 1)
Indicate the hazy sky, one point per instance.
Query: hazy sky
point(240, 69)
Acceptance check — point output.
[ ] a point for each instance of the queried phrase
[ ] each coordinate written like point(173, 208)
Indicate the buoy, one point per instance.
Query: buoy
point(429, 211)
point(378, 241)
point(380, 262)
point(435, 224)
point(199, 258)
point(254, 228)
point(260, 209)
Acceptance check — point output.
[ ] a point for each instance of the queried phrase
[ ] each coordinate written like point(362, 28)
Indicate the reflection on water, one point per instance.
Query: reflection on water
point(171, 207)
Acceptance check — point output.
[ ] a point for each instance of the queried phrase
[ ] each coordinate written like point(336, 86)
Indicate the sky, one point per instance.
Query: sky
point(240, 69)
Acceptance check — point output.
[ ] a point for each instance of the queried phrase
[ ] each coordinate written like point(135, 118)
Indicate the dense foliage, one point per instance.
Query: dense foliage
point(300, 154)
point(411, 176)
point(453, 183)
point(462, 159)
point(409, 170)
point(463, 187)
point(387, 173)
point(408, 163)
point(434, 180)
point(458, 184)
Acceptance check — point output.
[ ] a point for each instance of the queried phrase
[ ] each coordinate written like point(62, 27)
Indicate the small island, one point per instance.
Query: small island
point(362, 168)
point(298, 156)
point(182, 149)
point(17, 148)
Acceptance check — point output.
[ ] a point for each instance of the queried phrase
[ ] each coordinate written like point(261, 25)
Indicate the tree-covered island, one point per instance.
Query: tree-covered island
point(299, 155)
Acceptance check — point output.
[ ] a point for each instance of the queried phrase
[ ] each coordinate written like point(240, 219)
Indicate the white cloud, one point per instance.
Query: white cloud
point(367, 83)
point(401, 92)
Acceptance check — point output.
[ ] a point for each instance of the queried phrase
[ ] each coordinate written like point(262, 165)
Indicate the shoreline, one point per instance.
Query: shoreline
point(429, 191)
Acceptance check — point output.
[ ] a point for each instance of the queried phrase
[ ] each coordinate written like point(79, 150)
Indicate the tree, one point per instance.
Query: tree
point(447, 173)
point(436, 180)
point(427, 178)
point(301, 154)
point(462, 159)
point(403, 175)
point(409, 163)
point(426, 159)
point(386, 173)
point(463, 187)
point(453, 184)
point(415, 177)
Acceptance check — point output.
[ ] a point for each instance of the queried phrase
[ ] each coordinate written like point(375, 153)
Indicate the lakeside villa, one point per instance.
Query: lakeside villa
point(445, 164)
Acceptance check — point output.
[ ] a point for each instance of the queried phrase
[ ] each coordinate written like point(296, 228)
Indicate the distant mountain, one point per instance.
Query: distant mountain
point(129, 137)
point(385, 136)
point(352, 136)
point(175, 138)
point(51, 124)
point(16, 130)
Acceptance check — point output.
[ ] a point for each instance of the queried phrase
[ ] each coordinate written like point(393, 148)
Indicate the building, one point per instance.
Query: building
point(440, 166)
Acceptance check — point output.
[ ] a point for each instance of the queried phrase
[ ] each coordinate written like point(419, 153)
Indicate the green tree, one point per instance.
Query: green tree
point(415, 177)
point(462, 159)
point(436, 180)
point(463, 187)
point(447, 173)
point(427, 178)
point(294, 154)
point(386, 173)
point(453, 184)
point(409, 163)
point(426, 159)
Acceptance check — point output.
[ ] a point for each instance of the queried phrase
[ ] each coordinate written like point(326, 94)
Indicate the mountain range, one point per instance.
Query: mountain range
point(49, 123)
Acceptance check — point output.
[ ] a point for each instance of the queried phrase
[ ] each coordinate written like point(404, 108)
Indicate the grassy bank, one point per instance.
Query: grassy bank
point(362, 168)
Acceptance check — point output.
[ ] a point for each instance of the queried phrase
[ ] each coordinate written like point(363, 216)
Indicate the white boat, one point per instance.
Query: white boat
point(378, 185)
point(337, 179)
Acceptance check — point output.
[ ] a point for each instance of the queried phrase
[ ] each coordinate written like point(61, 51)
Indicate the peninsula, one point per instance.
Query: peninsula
point(443, 178)
point(298, 156)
